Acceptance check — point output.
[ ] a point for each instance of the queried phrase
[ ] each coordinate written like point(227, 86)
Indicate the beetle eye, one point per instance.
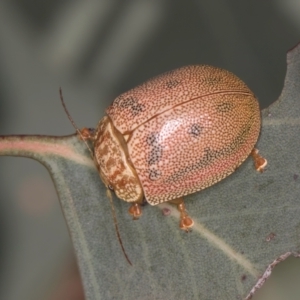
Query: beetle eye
point(92, 131)
point(110, 187)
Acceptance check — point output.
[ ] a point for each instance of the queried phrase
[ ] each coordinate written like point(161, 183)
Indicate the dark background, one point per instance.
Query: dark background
point(95, 50)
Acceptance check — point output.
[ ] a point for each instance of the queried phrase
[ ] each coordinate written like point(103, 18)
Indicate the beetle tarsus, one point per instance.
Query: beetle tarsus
point(86, 134)
point(135, 210)
point(259, 161)
point(186, 222)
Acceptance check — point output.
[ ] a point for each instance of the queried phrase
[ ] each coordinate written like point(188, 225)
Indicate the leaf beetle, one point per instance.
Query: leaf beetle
point(174, 135)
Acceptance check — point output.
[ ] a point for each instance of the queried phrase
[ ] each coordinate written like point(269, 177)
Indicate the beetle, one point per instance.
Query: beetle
point(176, 134)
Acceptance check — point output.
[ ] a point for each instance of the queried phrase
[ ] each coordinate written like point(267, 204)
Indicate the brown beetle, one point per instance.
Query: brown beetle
point(176, 134)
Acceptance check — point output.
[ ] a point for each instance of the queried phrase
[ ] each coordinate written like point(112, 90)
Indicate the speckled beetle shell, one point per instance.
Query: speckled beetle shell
point(176, 134)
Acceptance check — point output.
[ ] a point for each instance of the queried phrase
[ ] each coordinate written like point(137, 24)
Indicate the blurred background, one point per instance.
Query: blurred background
point(96, 50)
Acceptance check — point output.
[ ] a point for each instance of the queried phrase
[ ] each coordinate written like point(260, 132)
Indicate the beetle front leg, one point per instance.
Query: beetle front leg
point(186, 222)
point(135, 210)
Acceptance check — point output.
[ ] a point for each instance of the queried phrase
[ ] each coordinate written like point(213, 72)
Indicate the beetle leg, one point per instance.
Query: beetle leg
point(87, 133)
point(135, 210)
point(186, 222)
point(259, 162)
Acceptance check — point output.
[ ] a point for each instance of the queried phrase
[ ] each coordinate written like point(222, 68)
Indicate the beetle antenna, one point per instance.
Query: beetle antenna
point(108, 194)
point(73, 123)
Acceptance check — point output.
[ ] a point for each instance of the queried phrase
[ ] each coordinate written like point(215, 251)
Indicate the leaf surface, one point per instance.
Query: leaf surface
point(244, 225)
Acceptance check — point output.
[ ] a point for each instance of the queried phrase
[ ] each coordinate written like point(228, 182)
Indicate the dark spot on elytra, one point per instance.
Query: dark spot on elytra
point(155, 154)
point(130, 103)
point(172, 83)
point(137, 109)
point(195, 130)
point(224, 107)
point(152, 139)
point(154, 174)
point(156, 150)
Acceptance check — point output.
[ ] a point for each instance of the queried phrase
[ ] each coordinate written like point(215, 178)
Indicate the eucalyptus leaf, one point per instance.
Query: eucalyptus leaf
point(244, 225)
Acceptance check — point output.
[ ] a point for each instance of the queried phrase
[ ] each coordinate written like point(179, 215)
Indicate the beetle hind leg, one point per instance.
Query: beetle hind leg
point(186, 222)
point(259, 161)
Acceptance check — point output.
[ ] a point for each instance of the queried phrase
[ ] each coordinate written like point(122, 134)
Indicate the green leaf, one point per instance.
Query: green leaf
point(244, 225)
